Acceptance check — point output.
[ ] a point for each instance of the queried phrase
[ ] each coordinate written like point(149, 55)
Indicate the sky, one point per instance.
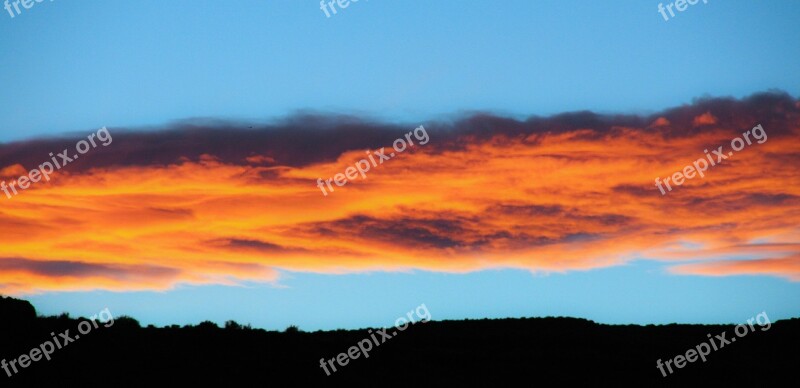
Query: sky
point(533, 195)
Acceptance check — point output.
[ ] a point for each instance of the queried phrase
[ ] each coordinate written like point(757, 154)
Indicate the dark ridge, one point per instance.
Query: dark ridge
point(485, 353)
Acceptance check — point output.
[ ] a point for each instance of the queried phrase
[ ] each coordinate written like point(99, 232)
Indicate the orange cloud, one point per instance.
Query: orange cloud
point(571, 192)
point(660, 122)
point(788, 267)
point(704, 119)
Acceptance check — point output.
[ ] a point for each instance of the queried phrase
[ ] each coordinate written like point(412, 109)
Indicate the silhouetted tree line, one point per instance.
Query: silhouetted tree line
point(485, 353)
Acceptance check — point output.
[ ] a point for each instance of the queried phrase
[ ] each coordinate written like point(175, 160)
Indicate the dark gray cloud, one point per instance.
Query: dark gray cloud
point(306, 139)
point(63, 268)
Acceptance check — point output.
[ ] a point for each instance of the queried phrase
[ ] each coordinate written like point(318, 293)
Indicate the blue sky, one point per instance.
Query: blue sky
point(638, 293)
point(73, 66)
point(77, 65)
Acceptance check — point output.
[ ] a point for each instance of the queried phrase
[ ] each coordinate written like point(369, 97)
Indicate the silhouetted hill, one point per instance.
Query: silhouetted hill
point(482, 353)
point(15, 313)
